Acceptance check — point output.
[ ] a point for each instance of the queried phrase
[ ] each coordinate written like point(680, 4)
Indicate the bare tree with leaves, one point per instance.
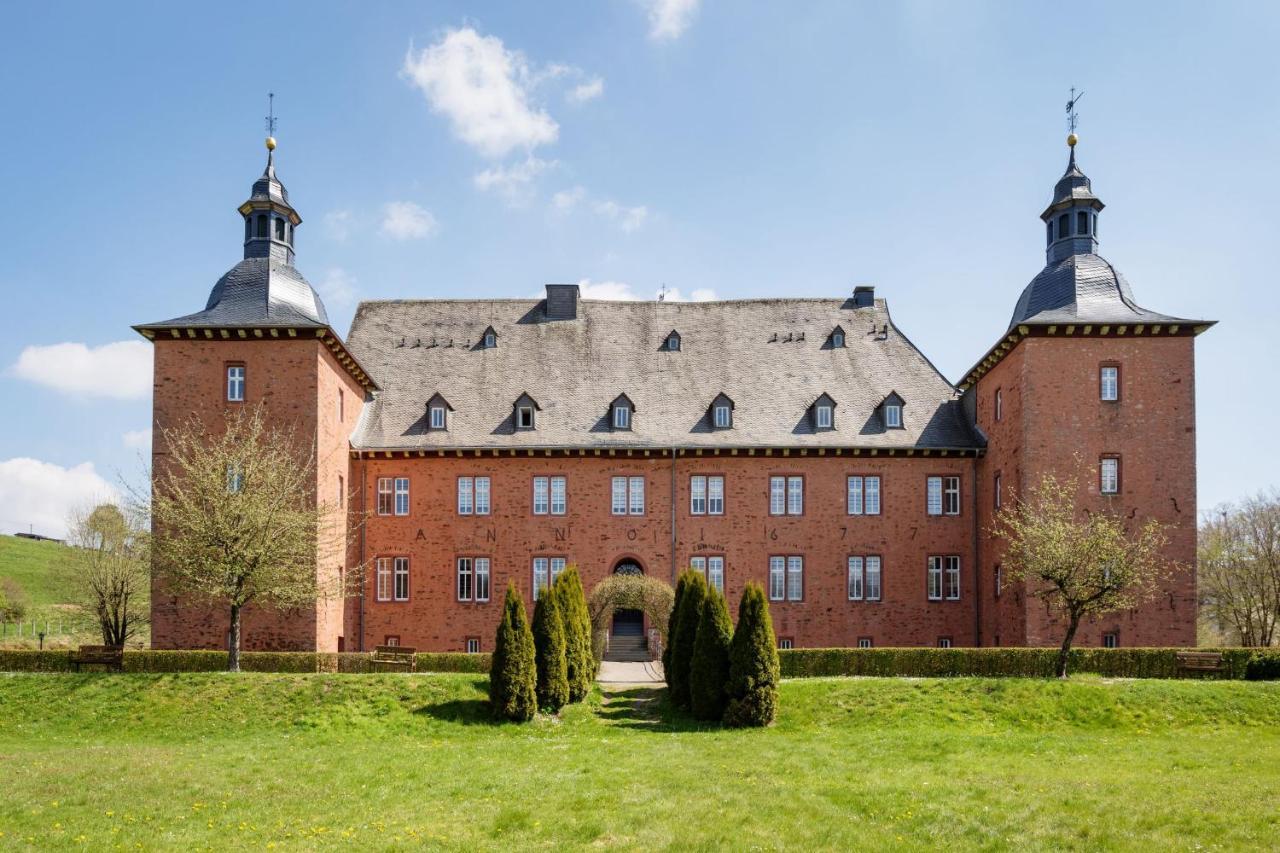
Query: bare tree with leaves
point(108, 569)
point(1240, 569)
point(236, 520)
point(1082, 563)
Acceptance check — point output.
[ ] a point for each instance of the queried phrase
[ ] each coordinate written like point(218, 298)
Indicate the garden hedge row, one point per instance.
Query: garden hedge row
point(795, 663)
point(1027, 662)
point(31, 660)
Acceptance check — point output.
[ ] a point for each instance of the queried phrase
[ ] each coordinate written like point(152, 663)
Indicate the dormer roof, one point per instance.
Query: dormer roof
point(437, 399)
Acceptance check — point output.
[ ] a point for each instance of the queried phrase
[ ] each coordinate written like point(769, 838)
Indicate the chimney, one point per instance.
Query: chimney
point(864, 296)
point(562, 302)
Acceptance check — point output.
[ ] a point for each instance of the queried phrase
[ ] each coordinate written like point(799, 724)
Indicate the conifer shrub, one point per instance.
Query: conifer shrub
point(686, 634)
point(709, 672)
point(753, 664)
point(580, 659)
point(549, 645)
point(673, 622)
point(513, 675)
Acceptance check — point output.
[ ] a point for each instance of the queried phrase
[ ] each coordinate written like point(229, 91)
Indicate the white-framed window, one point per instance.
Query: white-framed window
point(386, 496)
point(795, 578)
point(855, 578)
point(466, 578)
point(545, 572)
point(621, 417)
point(999, 580)
point(391, 640)
point(777, 578)
point(235, 478)
point(1109, 383)
point(873, 579)
point(944, 642)
point(235, 383)
point(627, 496)
point(943, 496)
point(635, 490)
point(1109, 475)
point(715, 573)
point(549, 496)
point(482, 496)
point(1111, 640)
point(864, 578)
point(715, 495)
point(837, 339)
point(864, 642)
point(490, 340)
point(944, 578)
point(473, 645)
point(400, 570)
point(795, 495)
point(437, 417)
point(342, 406)
point(402, 495)
point(785, 643)
point(699, 565)
point(722, 416)
point(863, 495)
point(893, 416)
point(786, 495)
point(524, 417)
point(706, 494)
point(618, 496)
point(824, 417)
point(482, 579)
point(342, 491)
point(466, 496)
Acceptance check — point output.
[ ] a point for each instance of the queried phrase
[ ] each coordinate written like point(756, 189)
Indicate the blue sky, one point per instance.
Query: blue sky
point(722, 149)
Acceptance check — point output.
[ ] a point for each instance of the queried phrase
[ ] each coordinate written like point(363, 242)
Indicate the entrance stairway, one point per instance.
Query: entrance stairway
point(627, 648)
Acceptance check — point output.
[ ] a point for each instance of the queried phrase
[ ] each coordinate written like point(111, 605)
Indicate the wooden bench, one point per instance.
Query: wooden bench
point(108, 656)
point(1200, 662)
point(395, 657)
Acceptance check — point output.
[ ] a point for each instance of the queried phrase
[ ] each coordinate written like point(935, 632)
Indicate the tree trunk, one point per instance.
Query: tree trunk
point(1072, 625)
point(233, 648)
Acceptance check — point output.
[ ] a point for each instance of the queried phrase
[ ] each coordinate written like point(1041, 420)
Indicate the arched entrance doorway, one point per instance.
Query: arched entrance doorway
point(628, 622)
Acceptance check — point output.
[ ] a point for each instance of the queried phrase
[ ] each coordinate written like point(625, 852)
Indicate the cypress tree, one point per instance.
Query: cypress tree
point(673, 622)
point(686, 633)
point(709, 673)
point(753, 664)
point(513, 673)
point(580, 660)
point(548, 641)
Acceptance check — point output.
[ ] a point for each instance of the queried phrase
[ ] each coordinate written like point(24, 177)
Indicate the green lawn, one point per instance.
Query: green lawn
point(34, 566)
point(387, 761)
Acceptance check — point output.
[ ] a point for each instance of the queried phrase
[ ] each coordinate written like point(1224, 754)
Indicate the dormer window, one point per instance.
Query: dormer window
point(837, 338)
point(620, 411)
point(438, 410)
point(891, 410)
point(721, 412)
point(823, 413)
point(672, 343)
point(524, 414)
point(490, 338)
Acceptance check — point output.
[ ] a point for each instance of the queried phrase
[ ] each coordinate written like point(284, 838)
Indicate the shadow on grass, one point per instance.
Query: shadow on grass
point(647, 709)
point(469, 711)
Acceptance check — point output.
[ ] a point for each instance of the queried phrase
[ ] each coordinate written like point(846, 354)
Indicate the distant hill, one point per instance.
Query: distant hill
point(34, 565)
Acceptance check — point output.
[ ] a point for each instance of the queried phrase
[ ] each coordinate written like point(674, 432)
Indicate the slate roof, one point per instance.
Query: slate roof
point(767, 355)
point(1083, 288)
point(257, 292)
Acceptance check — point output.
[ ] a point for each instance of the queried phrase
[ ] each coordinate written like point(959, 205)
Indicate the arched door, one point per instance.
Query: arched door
point(628, 623)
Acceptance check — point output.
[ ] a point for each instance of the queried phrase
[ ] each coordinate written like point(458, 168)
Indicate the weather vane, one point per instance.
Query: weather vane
point(271, 121)
point(662, 294)
point(1073, 118)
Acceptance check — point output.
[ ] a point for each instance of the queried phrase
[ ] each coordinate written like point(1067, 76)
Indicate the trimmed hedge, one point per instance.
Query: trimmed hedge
point(146, 660)
point(1024, 662)
point(1263, 666)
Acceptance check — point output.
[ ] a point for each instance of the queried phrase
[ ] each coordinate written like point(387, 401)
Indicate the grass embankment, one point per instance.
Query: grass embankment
point(32, 564)
point(305, 761)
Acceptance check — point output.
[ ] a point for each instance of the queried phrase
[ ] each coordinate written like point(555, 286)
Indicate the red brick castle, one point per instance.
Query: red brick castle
point(806, 444)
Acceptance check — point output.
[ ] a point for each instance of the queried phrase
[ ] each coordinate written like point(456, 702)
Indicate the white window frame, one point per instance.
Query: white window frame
point(490, 340)
point(698, 494)
point(621, 417)
point(874, 578)
point(559, 495)
point(1111, 640)
point(402, 495)
point(715, 573)
point(824, 417)
point(944, 642)
point(541, 573)
point(777, 496)
point(635, 495)
point(785, 644)
point(400, 587)
point(525, 417)
point(862, 494)
point(473, 645)
point(438, 417)
point(618, 496)
point(944, 578)
point(235, 383)
point(999, 407)
point(483, 579)
point(777, 578)
point(466, 496)
point(855, 578)
point(627, 495)
point(950, 495)
point(385, 501)
point(466, 578)
point(541, 495)
point(1109, 475)
point(1109, 383)
point(382, 590)
point(715, 494)
point(795, 495)
point(557, 567)
point(483, 496)
point(721, 417)
point(997, 486)
point(864, 642)
point(893, 416)
point(795, 578)
point(699, 565)
point(999, 580)
point(934, 587)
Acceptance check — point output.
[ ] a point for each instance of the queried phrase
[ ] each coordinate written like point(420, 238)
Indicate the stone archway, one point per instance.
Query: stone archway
point(627, 621)
point(628, 591)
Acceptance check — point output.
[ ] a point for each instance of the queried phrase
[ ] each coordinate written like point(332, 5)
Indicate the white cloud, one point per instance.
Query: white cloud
point(484, 91)
point(628, 218)
point(404, 220)
point(138, 438)
point(584, 92)
point(120, 370)
point(668, 19)
point(39, 496)
point(338, 288)
point(566, 200)
point(338, 224)
point(621, 291)
point(513, 182)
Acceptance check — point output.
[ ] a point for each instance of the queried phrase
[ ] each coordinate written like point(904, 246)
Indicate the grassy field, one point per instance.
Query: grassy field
point(32, 564)
point(394, 761)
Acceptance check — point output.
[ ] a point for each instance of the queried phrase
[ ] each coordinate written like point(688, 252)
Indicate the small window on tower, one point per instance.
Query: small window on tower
point(1082, 222)
point(279, 229)
point(1048, 226)
point(262, 227)
point(1064, 225)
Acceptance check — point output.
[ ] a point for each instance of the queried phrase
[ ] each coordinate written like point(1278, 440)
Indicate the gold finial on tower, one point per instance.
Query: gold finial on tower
point(271, 121)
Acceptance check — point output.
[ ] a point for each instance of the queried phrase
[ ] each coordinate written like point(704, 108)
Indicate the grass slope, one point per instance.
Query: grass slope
point(33, 564)
point(308, 761)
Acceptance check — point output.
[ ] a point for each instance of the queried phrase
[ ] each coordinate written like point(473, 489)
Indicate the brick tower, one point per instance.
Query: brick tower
point(1086, 381)
point(263, 338)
